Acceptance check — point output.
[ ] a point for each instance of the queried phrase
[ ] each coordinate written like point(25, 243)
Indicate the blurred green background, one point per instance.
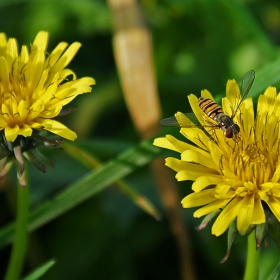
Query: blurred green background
point(197, 44)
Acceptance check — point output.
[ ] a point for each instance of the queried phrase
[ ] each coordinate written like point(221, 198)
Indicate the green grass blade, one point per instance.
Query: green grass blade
point(40, 271)
point(87, 186)
point(244, 17)
point(275, 273)
point(92, 162)
point(267, 76)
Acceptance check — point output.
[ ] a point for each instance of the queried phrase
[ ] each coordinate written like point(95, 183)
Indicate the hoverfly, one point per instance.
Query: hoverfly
point(215, 111)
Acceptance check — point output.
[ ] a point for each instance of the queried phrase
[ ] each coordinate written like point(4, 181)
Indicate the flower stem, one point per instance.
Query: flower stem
point(253, 259)
point(20, 238)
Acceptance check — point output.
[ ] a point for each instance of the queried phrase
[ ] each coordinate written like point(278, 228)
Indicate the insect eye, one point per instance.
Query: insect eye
point(237, 128)
point(229, 133)
point(232, 130)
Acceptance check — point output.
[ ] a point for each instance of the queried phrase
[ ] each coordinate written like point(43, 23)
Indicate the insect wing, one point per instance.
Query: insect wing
point(244, 83)
point(187, 120)
point(181, 120)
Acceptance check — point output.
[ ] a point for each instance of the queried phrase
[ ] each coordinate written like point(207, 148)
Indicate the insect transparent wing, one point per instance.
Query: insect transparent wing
point(187, 120)
point(244, 83)
point(172, 121)
point(182, 120)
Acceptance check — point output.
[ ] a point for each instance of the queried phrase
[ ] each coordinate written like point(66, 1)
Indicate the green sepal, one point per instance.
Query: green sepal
point(261, 232)
point(232, 230)
point(33, 158)
point(248, 231)
point(207, 219)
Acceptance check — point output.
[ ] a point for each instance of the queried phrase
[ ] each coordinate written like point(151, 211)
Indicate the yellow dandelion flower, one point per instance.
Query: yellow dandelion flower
point(34, 87)
point(234, 178)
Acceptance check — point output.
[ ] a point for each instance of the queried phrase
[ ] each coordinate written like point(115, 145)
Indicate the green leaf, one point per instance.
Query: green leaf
point(267, 76)
point(40, 271)
point(87, 186)
point(275, 273)
point(244, 17)
point(92, 162)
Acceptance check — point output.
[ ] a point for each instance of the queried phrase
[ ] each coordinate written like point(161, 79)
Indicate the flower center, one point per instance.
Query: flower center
point(253, 162)
point(253, 154)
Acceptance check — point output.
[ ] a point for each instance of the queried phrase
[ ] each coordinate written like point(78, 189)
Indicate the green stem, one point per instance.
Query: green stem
point(253, 259)
point(20, 239)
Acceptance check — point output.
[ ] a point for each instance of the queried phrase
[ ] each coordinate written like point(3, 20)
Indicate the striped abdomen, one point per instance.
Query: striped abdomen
point(209, 107)
point(215, 112)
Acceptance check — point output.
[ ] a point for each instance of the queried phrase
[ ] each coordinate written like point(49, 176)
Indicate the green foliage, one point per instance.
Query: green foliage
point(88, 226)
point(40, 271)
